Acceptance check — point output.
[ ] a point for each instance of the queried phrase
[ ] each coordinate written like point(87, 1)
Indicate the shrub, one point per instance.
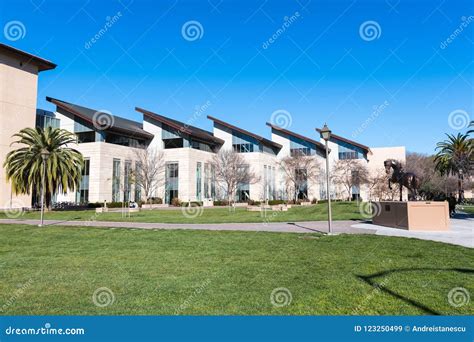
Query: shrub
point(176, 202)
point(220, 203)
point(95, 205)
point(251, 202)
point(314, 201)
point(276, 202)
point(192, 204)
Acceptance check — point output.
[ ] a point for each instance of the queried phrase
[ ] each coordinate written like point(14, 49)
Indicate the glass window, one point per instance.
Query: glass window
point(127, 182)
point(198, 181)
point(242, 143)
point(213, 181)
point(138, 181)
point(171, 181)
point(82, 195)
point(207, 180)
point(116, 181)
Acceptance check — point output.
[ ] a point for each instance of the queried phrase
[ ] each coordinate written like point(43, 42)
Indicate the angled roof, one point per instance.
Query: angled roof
point(366, 149)
point(296, 135)
point(263, 140)
point(195, 132)
point(114, 123)
point(28, 58)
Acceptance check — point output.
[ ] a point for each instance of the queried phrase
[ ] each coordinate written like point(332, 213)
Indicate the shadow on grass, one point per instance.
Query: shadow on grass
point(370, 279)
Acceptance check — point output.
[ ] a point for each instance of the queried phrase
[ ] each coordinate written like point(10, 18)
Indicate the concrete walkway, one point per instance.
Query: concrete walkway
point(461, 233)
point(297, 227)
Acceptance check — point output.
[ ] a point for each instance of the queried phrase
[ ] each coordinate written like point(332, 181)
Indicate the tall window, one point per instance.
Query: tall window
point(207, 180)
point(269, 182)
point(82, 195)
point(302, 183)
point(127, 181)
point(116, 181)
point(171, 181)
point(213, 181)
point(138, 181)
point(243, 190)
point(198, 181)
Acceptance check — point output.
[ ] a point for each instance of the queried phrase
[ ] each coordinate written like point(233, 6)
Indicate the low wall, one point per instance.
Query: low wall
point(416, 216)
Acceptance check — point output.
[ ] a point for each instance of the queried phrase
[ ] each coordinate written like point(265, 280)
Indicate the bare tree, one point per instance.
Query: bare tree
point(298, 169)
point(231, 171)
point(349, 173)
point(150, 166)
point(377, 184)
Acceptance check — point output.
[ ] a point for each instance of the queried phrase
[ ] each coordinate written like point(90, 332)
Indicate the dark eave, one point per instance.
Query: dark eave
point(366, 149)
point(28, 58)
point(296, 135)
point(119, 125)
point(192, 131)
point(263, 140)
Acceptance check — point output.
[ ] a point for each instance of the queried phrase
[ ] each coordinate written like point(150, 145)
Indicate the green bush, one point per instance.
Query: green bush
point(176, 202)
point(192, 204)
point(276, 202)
point(220, 203)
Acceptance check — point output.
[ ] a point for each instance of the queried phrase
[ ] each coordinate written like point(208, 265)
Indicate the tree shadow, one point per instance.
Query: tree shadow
point(370, 279)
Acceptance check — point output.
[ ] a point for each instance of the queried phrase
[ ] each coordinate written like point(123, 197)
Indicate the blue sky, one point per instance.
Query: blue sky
point(322, 67)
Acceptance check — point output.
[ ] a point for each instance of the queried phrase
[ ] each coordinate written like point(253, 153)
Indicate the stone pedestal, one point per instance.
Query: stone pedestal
point(416, 216)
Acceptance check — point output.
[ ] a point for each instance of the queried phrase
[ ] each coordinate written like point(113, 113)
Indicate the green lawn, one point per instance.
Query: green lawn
point(340, 210)
point(468, 209)
point(55, 271)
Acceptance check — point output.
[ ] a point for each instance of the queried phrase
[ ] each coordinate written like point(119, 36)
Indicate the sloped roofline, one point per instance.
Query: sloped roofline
point(243, 131)
point(338, 137)
point(25, 57)
point(296, 135)
point(192, 131)
point(67, 106)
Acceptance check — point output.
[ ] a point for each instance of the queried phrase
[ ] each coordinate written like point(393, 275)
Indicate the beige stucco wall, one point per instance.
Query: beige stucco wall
point(18, 92)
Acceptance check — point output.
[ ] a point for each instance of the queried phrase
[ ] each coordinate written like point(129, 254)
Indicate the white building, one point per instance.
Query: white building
point(110, 145)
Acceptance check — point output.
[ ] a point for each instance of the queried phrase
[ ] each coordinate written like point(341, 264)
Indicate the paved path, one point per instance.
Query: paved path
point(461, 233)
point(297, 227)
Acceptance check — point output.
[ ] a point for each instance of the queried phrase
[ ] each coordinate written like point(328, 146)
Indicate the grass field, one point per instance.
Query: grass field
point(468, 209)
point(340, 211)
point(56, 270)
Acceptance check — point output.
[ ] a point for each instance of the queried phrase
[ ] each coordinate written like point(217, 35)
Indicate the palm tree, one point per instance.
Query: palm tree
point(454, 157)
point(24, 166)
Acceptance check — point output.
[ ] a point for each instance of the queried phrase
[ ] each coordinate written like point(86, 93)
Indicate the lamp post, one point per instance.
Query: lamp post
point(326, 135)
point(44, 156)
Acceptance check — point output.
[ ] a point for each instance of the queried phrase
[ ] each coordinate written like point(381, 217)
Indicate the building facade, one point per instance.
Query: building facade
point(18, 94)
point(113, 148)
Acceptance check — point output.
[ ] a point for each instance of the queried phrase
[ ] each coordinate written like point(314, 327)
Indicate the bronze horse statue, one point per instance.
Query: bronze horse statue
point(402, 178)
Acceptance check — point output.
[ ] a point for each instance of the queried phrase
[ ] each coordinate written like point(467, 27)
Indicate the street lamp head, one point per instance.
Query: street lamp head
point(326, 133)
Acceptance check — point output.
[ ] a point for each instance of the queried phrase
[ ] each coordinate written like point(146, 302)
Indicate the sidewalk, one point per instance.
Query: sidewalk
point(282, 227)
point(461, 233)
